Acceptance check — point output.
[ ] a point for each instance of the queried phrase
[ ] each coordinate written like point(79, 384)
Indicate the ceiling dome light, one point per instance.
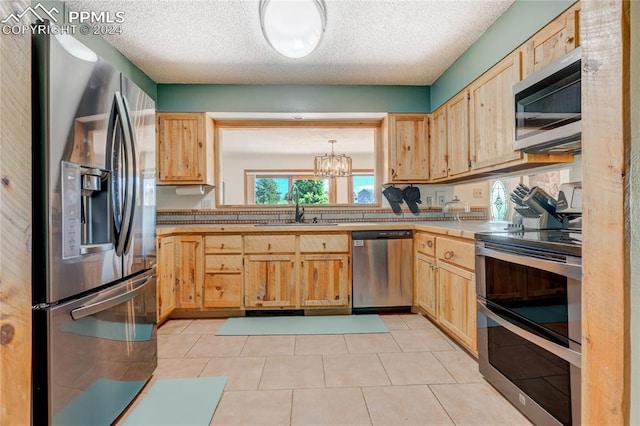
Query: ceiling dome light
point(293, 28)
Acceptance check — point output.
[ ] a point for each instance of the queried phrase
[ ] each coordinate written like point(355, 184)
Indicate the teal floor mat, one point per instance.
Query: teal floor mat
point(184, 402)
point(329, 324)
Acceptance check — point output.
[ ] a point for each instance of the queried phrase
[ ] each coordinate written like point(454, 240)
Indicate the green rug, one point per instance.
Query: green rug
point(321, 324)
point(181, 402)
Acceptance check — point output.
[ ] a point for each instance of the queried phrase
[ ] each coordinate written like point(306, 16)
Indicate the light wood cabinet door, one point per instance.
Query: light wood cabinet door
point(408, 150)
point(492, 114)
point(222, 291)
point(438, 144)
point(458, 134)
point(555, 40)
point(269, 281)
point(325, 280)
point(166, 289)
point(189, 271)
point(184, 149)
point(425, 284)
point(457, 304)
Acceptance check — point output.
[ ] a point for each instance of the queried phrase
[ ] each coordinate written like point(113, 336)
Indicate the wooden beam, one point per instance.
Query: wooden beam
point(605, 143)
point(15, 224)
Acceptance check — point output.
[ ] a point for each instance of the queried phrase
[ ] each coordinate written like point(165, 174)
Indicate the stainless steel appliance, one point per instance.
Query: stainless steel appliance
point(94, 313)
point(529, 322)
point(382, 270)
point(548, 107)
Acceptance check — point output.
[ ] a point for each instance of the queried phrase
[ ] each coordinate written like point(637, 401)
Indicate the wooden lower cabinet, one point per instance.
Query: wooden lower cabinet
point(269, 281)
point(222, 291)
point(166, 280)
point(425, 285)
point(325, 280)
point(189, 266)
point(457, 303)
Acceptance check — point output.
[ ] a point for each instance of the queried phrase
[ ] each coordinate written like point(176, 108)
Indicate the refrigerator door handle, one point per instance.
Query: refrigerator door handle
point(132, 174)
point(93, 308)
point(122, 160)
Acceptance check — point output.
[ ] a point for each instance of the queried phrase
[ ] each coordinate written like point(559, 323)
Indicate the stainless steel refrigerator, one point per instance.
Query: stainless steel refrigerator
point(94, 290)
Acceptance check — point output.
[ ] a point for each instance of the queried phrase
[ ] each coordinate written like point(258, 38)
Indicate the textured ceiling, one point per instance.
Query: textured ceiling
point(378, 42)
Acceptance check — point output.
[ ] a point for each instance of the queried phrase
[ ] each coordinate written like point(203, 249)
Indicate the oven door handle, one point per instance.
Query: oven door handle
point(567, 354)
point(565, 269)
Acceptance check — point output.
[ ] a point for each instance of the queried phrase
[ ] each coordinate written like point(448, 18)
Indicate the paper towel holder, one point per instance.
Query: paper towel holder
point(190, 190)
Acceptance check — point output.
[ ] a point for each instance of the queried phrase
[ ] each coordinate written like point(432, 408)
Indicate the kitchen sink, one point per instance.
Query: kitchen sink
point(297, 224)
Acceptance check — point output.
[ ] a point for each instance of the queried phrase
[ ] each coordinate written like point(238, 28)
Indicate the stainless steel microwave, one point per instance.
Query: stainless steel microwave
point(548, 108)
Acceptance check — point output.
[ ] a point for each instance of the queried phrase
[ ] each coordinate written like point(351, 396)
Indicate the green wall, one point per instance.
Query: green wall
point(290, 98)
point(522, 20)
point(101, 46)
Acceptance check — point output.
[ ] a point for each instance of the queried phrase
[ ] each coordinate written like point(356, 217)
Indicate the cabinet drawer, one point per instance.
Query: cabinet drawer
point(223, 244)
point(223, 263)
point(324, 243)
point(222, 291)
point(456, 252)
point(425, 243)
point(270, 244)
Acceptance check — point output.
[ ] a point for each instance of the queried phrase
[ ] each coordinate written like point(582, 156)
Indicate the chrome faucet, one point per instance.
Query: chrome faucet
point(299, 210)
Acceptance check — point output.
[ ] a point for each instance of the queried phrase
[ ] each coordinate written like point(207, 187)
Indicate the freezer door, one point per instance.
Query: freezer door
point(141, 253)
point(101, 350)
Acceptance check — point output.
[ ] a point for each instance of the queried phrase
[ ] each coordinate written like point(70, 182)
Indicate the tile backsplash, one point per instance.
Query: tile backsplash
point(252, 216)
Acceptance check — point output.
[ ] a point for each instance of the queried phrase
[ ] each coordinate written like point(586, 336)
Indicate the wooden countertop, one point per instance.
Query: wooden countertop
point(464, 229)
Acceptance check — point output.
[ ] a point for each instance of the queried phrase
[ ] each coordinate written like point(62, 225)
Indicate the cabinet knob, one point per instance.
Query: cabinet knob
point(222, 266)
point(222, 245)
point(429, 243)
point(569, 39)
point(448, 254)
point(324, 245)
point(269, 246)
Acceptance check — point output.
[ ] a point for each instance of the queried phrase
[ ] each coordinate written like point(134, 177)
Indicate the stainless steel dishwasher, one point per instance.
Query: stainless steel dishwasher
point(382, 271)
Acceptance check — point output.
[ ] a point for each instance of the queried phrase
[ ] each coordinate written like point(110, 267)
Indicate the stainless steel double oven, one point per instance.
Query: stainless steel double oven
point(529, 333)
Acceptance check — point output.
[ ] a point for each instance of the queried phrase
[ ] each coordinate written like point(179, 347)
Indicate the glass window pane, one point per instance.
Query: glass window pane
point(313, 191)
point(271, 190)
point(363, 189)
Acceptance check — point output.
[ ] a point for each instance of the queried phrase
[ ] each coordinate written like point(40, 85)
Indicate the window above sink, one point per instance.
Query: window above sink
point(258, 162)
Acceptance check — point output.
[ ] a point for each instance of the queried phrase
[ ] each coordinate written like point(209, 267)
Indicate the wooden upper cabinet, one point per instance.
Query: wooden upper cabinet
point(438, 156)
point(491, 114)
point(185, 148)
point(555, 40)
point(458, 134)
point(406, 139)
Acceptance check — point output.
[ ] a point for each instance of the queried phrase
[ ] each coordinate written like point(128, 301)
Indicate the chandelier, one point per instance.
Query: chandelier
point(332, 165)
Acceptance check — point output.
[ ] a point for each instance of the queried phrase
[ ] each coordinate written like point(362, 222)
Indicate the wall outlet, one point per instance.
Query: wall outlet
point(477, 193)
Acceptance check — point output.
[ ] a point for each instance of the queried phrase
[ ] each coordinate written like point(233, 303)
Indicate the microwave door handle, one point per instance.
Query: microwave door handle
point(102, 305)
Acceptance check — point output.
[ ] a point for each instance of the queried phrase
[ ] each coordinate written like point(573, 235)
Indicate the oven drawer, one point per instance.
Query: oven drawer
point(456, 252)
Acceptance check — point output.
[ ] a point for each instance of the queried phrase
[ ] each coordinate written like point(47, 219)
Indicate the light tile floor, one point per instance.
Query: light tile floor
point(413, 375)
